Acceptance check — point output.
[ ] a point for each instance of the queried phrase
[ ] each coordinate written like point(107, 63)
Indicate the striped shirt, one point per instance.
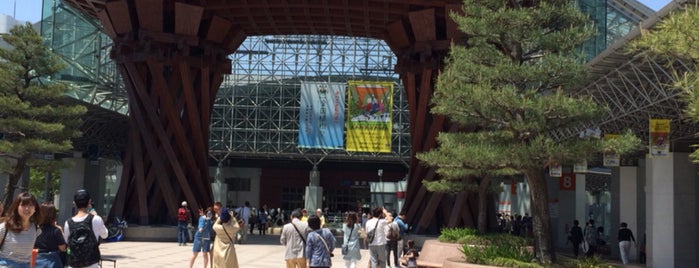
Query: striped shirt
point(18, 246)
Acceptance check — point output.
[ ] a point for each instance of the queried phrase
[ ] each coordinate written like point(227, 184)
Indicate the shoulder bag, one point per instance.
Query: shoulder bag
point(325, 243)
point(371, 234)
point(345, 247)
point(301, 235)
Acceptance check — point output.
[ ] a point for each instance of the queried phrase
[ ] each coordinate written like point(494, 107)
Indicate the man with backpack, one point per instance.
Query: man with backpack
point(82, 233)
point(182, 222)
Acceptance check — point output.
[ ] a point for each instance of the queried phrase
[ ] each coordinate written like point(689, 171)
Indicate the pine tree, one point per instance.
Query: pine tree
point(511, 82)
point(675, 38)
point(35, 119)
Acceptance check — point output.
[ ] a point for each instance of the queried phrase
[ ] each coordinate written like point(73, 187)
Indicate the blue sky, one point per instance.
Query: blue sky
point(30, 10)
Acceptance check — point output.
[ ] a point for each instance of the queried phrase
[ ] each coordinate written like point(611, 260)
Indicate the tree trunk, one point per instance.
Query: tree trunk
point(483, 204)
point(14, 177)
point(543, 249)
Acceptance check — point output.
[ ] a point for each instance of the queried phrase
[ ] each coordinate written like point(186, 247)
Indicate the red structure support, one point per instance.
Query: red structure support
point(172, 55)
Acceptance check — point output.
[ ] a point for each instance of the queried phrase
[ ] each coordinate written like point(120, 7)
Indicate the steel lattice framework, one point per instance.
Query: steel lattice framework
point(636, 88)
point(256, 113)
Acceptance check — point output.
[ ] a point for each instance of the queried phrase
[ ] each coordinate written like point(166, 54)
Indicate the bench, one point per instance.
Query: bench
point(434, 253)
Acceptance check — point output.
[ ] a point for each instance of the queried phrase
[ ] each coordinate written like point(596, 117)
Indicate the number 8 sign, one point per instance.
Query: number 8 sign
point(567, 182)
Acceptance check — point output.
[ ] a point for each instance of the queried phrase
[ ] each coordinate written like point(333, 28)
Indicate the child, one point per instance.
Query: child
point(412, 254)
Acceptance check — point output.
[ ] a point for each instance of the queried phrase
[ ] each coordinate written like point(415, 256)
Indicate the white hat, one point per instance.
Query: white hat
point(184, 203)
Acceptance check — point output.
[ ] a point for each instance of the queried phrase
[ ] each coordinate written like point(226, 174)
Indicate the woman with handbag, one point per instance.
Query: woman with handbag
point(19, 231)
point(319, 245)
point(224, 246)
point(350, 244)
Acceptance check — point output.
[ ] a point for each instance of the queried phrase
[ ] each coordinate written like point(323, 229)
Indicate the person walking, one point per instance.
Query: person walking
point(19, 231)
point(50, 243)
point(625, 237)
point(576, 237)
point(244, 213)
point(226, 227)
point(376, 235)
point(294, 238)
point(392, 237)
point(320, 243)
point(182, 222)
point(262, 215)
point(591, 238)
point(400, 221)
point(82, 232)
point(350, 241)
point(202, 238)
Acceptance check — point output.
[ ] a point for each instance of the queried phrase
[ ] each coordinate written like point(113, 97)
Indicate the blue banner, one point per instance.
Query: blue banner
point(322, 115)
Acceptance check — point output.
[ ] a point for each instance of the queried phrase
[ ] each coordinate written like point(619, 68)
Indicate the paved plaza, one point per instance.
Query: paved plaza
point(258, 252)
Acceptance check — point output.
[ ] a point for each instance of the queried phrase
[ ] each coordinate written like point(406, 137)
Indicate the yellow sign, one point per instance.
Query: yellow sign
point(369, 122)
point(659, 137)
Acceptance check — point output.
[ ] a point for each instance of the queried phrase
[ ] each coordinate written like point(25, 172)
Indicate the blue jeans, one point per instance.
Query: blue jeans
point(182, 232)
point(200, 244)
point(49, 260)
point(13, 264)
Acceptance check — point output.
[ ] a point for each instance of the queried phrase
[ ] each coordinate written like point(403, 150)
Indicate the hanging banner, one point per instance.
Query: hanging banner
point(555, 170)
point(659, 137)
point(369, 110)
point(580, 167)
point(611, 159)
point(322, 115)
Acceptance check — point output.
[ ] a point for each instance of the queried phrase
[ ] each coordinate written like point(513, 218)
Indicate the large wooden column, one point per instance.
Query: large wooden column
point(421, 46)
point(172, 57)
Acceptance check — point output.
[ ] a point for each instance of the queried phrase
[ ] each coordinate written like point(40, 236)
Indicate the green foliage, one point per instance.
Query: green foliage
point(675, 37)
point(453, 235)
point(509, 86)
point(591, 262)
point(35, 117)
point(37, 183)
point(497, 249)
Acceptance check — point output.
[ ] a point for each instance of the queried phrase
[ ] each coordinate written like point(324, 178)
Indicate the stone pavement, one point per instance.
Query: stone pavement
point(258, 252)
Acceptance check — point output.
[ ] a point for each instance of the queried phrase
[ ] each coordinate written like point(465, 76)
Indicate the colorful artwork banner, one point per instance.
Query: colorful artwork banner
point(322, 115)
point(659, 137)
point(369, 111)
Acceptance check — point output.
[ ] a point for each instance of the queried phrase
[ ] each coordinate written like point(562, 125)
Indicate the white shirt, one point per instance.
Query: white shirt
point(381, 230)
point(97, 227)
point(244, 213)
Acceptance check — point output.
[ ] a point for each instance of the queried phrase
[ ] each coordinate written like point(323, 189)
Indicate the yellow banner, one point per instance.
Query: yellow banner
point(369, 122)
point(659, 137)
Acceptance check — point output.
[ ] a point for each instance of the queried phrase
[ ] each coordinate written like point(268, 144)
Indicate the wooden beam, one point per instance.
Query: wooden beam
point(423, 24)
point(156, 126)
point(458, 210)
point(187, 18)
point(397, 35)
point(218, 29)
point(175, 121)
point(139, 179)
point(150, 14)
point(427, 215)
point(119, 16)
point(107, 24)
point(453, 32)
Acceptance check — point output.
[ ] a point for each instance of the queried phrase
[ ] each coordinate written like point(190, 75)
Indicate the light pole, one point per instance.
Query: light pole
point(380, 173)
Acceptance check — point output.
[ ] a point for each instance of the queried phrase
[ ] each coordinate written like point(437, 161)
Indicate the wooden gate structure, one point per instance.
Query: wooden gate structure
point(173, 56)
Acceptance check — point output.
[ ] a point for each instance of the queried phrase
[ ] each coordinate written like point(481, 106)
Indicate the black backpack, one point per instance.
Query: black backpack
point(84, 247)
